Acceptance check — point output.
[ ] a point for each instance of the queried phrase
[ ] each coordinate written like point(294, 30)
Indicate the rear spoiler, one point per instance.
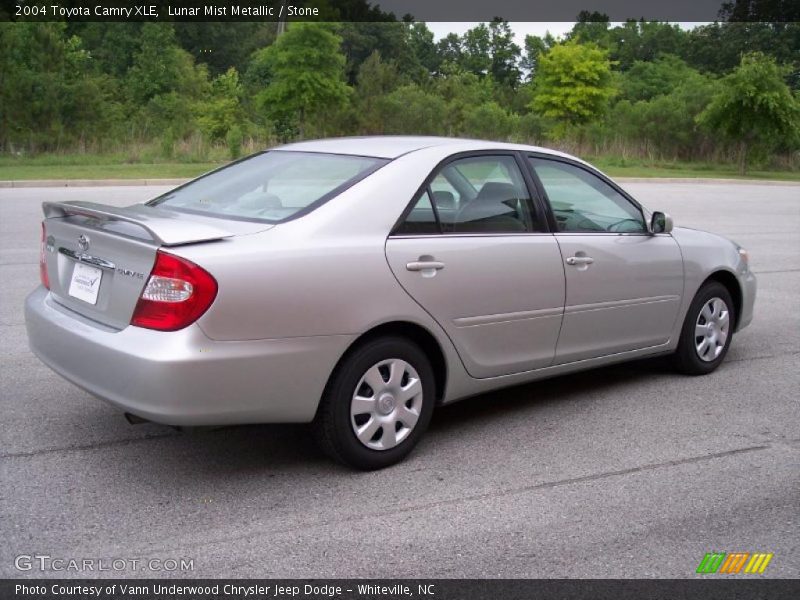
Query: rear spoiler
point(162, 226)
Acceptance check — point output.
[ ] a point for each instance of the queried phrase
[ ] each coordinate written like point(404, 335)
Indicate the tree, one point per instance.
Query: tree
point(643, 40)
point(718, 47)
point(223, 44)
point(307, 74)
point(754, 107)
point(590, 27)
point(476, 50)
point(359, 40)
point(573, 83)
point(163, 83)
point(375, 80)
point(411, 110)
point(50, 93)
point(504, 53)
point(461, 91)
point(111, 44)
point(535, 47)
point(489, 121)
point(648, 79)
point(449, 49)
point(222, 111)
point(420, 40)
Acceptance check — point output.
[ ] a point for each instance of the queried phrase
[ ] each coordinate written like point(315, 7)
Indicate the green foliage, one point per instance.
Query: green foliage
point(504, 53)
point(307, 75)
point(222, 110)
point(234, 139)
point(163, 82)
point(410, 109)
point(476, 50)
point(573, 83)
point(423, 47)
point(187, 91)
point(535, 47)
point(390, 39)
point(647, 79)
point(754, 107)
point(223, 44)
point(375, 80)
point(461, 91)
point(643, 41)
point(489, 121)
point(718, 47)
point(50, 95)
point(666, 124)
point(111, 45)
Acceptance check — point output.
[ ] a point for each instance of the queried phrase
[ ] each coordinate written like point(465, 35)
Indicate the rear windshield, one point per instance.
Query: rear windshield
point(273, 186)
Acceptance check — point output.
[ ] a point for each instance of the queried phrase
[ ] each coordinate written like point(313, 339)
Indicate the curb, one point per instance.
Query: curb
point(48, 183)
point(704, 180)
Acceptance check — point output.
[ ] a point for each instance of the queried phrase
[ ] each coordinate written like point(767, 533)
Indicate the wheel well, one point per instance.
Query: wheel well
point(731, 283)
point(420, 336)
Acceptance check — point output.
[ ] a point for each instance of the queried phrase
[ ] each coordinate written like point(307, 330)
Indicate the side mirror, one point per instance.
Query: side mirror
point(660, 223)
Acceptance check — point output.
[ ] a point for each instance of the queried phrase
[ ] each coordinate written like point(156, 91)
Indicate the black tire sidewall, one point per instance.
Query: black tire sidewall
point(340, 392)
point(688, 360)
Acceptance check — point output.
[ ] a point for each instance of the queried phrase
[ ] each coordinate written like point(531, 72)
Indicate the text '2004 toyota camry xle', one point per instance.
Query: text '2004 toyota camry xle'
point(356, 283)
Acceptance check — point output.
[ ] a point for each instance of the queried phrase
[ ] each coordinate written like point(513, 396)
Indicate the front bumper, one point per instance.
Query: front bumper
point(748, 285)
point(183, 377)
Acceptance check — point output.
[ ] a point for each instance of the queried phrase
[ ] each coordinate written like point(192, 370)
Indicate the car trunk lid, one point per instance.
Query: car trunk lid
point(99, 257)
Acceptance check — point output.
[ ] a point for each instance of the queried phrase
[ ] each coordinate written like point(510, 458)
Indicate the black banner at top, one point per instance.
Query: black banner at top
point(382, 10)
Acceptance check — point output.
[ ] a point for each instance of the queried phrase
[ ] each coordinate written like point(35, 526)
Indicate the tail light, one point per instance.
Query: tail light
point(176, 295)
point(43, 262)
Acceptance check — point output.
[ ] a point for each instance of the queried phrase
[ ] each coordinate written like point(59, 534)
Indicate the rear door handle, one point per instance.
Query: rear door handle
point(424, 265)
point(580, 260)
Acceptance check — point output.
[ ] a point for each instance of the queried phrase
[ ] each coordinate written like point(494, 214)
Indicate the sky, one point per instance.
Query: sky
point(520, 29)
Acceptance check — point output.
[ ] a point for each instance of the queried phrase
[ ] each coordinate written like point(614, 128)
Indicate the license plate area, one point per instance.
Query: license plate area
point(85, 283)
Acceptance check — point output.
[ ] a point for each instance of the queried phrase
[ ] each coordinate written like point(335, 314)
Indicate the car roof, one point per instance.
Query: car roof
point(393, 146)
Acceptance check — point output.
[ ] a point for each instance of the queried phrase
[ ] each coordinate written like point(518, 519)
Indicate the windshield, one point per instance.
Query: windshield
point(273, 186)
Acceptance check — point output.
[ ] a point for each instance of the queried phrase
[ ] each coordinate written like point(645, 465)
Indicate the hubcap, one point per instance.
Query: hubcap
point(386, 404)
point(711, 329)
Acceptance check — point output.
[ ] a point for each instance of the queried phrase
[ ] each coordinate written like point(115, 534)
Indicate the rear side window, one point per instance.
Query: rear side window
point(421, 220)
point(481, 194)
point(272, 187)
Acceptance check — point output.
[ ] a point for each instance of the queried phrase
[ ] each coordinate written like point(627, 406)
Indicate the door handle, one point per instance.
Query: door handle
point(424, 265)
point(580, 260)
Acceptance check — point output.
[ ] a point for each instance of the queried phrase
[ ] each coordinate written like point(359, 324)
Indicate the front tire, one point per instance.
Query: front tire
point(377, 404)
point(707, 330)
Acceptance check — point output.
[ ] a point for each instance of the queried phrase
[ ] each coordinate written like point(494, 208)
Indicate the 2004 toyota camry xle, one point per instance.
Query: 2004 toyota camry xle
point(357, 283)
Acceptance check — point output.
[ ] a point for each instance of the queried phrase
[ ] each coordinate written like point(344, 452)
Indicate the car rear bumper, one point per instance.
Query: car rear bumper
point(183, 377)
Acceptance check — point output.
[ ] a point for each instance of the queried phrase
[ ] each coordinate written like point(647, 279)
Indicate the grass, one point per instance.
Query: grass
point(138, 162)
point(120, 171)
point(617, 167)
point(148, 166)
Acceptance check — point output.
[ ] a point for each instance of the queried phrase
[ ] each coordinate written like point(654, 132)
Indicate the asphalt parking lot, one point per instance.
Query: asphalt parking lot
point(629, 471)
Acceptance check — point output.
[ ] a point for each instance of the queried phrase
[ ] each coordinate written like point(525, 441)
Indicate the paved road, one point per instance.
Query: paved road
point(621, 472)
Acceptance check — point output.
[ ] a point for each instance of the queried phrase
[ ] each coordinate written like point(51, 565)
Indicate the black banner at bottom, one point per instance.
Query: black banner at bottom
point(412, 589)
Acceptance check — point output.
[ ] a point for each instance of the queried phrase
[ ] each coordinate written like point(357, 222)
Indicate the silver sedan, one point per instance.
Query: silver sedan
point(357, 283)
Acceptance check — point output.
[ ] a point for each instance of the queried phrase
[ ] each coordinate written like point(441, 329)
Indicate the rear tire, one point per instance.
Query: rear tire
point(707, 330)
point(377, 404)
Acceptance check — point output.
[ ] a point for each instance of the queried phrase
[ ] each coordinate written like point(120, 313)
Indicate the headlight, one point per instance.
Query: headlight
point(745, 256)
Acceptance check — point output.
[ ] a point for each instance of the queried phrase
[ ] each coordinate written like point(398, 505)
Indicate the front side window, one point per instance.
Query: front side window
point(481, 194)
point(272, 186)
point(582, 202)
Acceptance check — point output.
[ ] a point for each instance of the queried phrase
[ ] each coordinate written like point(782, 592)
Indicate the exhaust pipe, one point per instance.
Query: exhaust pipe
point(134, 420)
